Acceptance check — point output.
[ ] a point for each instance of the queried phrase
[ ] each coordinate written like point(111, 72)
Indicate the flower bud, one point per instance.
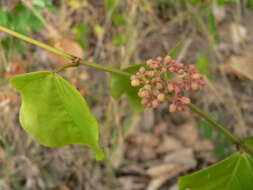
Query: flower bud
point(172, 107)
point(135, 82)
point(144, 94)
point(147, 87)
point(170, 87)
point(155, 103)
point(159, 86)
point(161, 97)
point(142, 70)
point(185, 100)
point(196, 76)
point(167, 59)
point(194, 86)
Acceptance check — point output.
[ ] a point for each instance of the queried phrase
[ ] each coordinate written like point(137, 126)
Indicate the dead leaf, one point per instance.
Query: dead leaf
point(68, 46)
point(238, 33)
point(219, 12)
point(169, 144)
point(241, 66)
point(16, 68)
point(175, 163)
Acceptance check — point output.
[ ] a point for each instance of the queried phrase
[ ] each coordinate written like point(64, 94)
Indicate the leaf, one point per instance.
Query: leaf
point(55, 113)
point(233, 173)
point(248, 144)
point(202, 64)
point(174, 51)
point(121, 84)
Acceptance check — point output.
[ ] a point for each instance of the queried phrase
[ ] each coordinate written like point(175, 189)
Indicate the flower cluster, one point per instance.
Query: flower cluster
point(166, 79)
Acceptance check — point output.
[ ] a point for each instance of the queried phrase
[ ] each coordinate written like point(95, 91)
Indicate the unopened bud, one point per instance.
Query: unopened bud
point(155, 103)
point(181, 71)
point(194, 86)
point(159, 86)
point(159, 58)
point(170, 87)
point(161, 97)
point(167, 59)
point(143, 94)
point(172, 107)
point(147, 87)
point(149, 62)
point(142, 70)
point(135, 82)
point(196, 76)
point(185, 100)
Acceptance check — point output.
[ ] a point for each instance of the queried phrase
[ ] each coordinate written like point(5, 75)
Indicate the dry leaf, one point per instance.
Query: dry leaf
point(68, 46)
point(169, 144)
point(16, 68)
point(219, 12)
point(174, 164)
point(238, 33)
point(241, 66)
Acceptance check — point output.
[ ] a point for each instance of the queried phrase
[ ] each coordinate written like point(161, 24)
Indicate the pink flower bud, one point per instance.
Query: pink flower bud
point(185, 100)
point(172, 69)
point(172, 107)
point(181, 71)
point(135, 82)
point(144, 101)
point(144, 94)
point(150, 73)
point(170, 87)
point(161, 97)
point(155, 103)
point(196, 76)
point(194, 86)
point(142, 70)
point(147, 87)
point(167, 59)
point(159, 86)
point(149, 62)
point(159, 59)
point(163, 70)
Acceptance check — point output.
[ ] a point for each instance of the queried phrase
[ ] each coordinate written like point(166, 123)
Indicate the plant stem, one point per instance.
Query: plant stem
point(64, 54)
point(115, 71)
point(214, 124)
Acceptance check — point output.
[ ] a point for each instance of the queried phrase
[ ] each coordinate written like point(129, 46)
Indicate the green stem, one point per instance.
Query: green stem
point(64, 54)
point(115, 71)
point(213, 123)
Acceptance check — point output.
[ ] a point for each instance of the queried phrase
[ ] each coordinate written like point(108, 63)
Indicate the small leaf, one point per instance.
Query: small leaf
point(233, 173)
point(174, 51)
point(202, 64)
point(121, 84)
point(55, 113)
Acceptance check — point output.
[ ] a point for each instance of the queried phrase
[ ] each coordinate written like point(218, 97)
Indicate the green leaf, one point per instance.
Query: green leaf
point(121, 84)
point(248, 144)
point(55, 113)
point(233, 173)
point(174, 51)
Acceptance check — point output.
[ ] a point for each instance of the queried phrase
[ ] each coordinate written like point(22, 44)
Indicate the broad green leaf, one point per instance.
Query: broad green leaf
point(248, 144)
point(121, 84)
point(233, 173)
point(55, 113)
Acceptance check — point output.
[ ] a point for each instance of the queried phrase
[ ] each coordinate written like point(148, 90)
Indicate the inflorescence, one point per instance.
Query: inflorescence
point(167, 79)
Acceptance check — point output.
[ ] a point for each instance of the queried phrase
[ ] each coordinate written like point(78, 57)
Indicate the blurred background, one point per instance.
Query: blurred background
point(148, 151)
